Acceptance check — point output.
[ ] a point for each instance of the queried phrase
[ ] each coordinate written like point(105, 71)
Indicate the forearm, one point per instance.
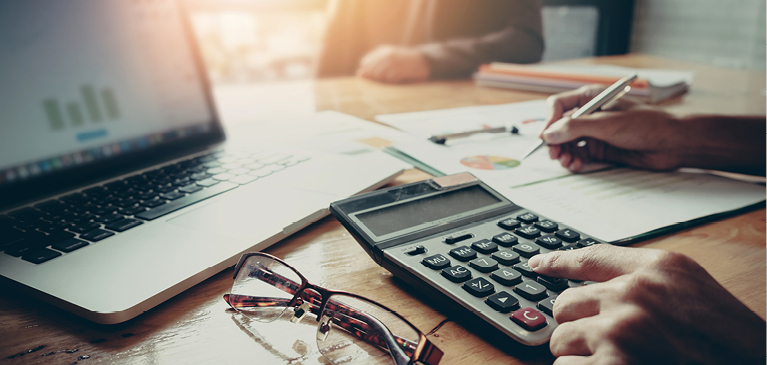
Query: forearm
point(520, 41)
point(726, 143)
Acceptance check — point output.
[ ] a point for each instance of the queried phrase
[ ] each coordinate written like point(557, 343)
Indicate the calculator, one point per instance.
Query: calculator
point(459, 241)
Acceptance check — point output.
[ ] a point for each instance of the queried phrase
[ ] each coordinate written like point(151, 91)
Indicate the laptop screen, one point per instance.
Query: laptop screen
point(87, 81)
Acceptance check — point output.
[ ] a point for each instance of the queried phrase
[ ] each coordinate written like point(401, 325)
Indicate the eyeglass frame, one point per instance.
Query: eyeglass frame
point(424, 351)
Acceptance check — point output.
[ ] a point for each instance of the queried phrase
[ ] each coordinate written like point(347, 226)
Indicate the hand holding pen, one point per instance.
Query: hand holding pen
point(628, 133)
point(604, 100)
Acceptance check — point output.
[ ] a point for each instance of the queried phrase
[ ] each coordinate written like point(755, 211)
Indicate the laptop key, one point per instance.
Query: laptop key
point(132, 210)
point(173, 195)
point(243, 179)
point(208, 182)
point(96, 235)
point(69, 245)
point(187, 200)
point(153, 203)
point(84, 227)
point(40, 255)
point(191, 188)
point(109, 218)
point(123, 225)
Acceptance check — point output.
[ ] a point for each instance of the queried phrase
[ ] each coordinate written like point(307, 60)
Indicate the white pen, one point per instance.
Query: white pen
point(604, 100)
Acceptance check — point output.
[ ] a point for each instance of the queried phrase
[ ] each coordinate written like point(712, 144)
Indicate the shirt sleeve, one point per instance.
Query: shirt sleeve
point(521, 41)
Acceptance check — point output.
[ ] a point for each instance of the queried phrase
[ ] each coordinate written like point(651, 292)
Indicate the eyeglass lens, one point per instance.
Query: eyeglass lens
point(263, 288)
point(350, 330)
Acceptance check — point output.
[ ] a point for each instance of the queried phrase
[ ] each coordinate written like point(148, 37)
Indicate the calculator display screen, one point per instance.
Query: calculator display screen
point(430, 209)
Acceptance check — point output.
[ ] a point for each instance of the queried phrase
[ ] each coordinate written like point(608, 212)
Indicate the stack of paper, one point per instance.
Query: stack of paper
point(652, 85)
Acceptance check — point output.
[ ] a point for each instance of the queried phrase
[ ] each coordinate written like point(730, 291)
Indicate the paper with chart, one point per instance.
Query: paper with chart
point(620, 203)
point(608, 203)
point(487, 156)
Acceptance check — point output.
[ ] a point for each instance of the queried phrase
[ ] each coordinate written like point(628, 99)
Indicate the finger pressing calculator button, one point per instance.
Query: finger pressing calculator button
point(436, 262)
point(547, 305)
point(531, 290)
point(506, 257)
point(525, 269)
point(527, 249)
point(528, 232)
point(507, 277)
point(456, 274)
point(457, 238)
point(485, 246)
point(553, 284)
point(546, 226)
point(484, 264)
point(527, 217)
point(502, 302)
point(506, 239)
point(479, 287)
point(549, 242)
point(463, 253)
point(586, 242)
point(529, 319)
point(568, 235)
point(509, 223)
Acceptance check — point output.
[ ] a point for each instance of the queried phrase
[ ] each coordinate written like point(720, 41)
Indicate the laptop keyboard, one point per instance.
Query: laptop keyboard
point(65, 224)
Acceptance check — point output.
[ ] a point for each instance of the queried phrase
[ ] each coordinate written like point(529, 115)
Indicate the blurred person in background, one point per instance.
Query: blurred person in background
point(400, 41)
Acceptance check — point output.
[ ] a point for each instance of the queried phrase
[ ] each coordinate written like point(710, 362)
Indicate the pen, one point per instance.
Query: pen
point(442, 138)
point(604, 100)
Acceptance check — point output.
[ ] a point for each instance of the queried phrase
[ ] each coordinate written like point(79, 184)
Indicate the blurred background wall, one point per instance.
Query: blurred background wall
point(264, 40)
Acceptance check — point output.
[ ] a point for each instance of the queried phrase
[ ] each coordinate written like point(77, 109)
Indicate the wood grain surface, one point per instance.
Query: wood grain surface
point(197, 326)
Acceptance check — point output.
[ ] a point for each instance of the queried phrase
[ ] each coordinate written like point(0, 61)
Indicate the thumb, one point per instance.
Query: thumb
point(596, 263)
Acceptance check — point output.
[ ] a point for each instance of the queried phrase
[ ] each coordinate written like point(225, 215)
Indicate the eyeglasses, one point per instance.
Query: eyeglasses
point(350, 328)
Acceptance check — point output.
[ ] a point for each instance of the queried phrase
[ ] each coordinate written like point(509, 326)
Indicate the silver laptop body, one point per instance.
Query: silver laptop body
point(117, 190)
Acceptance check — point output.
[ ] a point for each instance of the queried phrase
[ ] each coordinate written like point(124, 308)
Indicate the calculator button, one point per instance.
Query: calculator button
point(507, 277)
point(547, 305)
point(506, 257)
point(568, 248)
point(417, 250)
point(527, 249)
point(531, 290)
point(463, 253)
point(484, 246)
point(458, 238)
point(506, 239)
point(529, 319)
point(484, 264)
point(546, 226)
point(553, 284)
point(456, 274)
point(509, 223)
point(568, 235)
point(549, 242)
point(528, 232)
point(586, 242)
point(525, 269)
point(479, 287)
point(527, 217)
point(502, 302)
point(436, 262)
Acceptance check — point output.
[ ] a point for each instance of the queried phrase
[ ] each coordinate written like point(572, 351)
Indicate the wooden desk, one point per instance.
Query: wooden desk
point(196, 327)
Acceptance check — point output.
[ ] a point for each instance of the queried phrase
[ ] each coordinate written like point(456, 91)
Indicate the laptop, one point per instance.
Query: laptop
point(117, 190)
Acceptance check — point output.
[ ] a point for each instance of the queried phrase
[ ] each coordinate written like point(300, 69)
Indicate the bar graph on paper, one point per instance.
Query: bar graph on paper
point(96, 106)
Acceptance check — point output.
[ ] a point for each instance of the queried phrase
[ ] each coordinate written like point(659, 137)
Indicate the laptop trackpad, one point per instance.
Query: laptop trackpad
point(255, 212)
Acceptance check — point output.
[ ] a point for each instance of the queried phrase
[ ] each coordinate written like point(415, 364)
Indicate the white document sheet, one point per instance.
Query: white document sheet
point(613, 204)
point(620, 203)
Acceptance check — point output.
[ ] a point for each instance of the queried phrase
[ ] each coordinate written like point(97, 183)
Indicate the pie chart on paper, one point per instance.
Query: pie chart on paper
point(487, 162)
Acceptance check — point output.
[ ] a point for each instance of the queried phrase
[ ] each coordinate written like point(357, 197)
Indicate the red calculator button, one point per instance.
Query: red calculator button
point(529, 318)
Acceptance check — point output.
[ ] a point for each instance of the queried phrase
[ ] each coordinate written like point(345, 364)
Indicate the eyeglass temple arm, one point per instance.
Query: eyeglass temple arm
point(428, 354)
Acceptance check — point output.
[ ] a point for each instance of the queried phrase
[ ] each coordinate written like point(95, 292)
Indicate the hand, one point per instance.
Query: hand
point(650, 306)
point(394, 65)
point(628, 134)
